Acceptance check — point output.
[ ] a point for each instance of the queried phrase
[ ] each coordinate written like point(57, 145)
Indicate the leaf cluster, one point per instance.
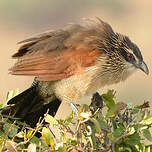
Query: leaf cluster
point(109, 127)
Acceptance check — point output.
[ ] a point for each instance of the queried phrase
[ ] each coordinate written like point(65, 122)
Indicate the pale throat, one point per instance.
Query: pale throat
point(129, 70)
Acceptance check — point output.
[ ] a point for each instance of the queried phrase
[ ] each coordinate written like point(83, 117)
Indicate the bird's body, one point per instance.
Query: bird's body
point(77, 60)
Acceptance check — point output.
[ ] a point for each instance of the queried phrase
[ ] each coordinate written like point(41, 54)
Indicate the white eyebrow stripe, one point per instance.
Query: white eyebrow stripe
point(130, 51)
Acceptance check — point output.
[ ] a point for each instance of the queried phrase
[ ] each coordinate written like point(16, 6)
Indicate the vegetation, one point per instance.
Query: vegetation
point(108, 126)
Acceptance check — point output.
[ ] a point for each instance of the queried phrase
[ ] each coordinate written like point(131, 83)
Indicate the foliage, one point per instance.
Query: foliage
point(112, 126)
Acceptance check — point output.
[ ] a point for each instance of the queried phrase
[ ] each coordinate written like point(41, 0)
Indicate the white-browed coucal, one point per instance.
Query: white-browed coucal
point(71, 63)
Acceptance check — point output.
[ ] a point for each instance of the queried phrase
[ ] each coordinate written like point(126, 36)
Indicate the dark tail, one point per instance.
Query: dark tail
point(29, 106)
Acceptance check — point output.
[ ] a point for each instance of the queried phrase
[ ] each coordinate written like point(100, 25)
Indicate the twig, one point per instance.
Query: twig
point(9, 130)
point(48, 126)
point(117, 140)
point(105, 130)
point(39, 124)
point(68, 129)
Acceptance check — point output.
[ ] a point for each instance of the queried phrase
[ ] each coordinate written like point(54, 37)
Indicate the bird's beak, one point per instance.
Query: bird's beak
point(144, 67)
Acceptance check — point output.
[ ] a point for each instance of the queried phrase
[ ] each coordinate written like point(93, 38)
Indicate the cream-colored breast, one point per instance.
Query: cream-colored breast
point(72, 89)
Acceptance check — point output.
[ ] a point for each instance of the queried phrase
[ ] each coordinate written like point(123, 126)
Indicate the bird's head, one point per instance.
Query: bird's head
point(121, 50)
point(130, 53)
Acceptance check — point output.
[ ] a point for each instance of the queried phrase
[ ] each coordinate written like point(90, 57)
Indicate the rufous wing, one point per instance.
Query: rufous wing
point(51, 59)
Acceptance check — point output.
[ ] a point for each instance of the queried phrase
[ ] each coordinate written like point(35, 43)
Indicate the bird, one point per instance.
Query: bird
point(69, 64)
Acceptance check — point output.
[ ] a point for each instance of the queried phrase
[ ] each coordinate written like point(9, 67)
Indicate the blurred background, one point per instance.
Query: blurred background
point(20, 19)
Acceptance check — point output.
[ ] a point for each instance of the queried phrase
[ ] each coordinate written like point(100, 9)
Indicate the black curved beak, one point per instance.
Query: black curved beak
point(144, 67)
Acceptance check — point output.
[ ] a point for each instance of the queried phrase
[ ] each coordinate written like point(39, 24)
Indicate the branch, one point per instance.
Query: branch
point(39, 124)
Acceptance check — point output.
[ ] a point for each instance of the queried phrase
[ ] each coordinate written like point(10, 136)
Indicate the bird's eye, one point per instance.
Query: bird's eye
point(130, 56)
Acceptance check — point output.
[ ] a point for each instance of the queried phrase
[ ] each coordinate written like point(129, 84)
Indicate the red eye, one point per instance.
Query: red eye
point(130, 56)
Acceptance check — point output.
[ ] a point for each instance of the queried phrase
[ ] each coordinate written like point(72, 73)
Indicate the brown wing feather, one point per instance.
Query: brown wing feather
point(50, 67)
point(60, 54)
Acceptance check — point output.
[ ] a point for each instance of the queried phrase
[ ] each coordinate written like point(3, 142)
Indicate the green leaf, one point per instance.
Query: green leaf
point(103, 123)
point(133, 139)
point(96, 127)
point(93, 141)
point(47, 136)
point(1, 133)
point(51, 120)
point(2, 139)
point(110, 103)
point(12, 94)
point(73, 142)
point(127, 149)
point(29, 133)
point(68, 120)
point(147, 120)
point(1, 105)
point(11, 133)
point(147, 134)
point(35, 140)
point(111, 112)
point(140, 147)
point(109, 95)
point(20, 134)
point(61, 147)
point(118, 132)
point(6, 127)
point(110, 136)
point(135, 111)
point(108, 99)
point(131, 130)
point(114, 124)
point(148, 149)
